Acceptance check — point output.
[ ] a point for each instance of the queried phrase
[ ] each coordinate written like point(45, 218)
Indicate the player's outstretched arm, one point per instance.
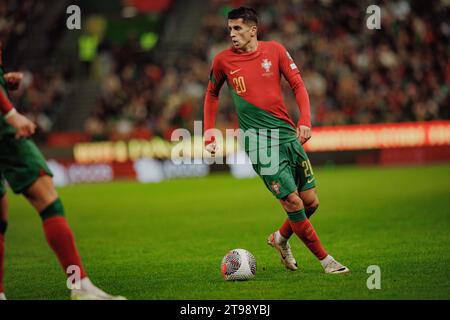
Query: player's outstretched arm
point(209, 118)
point(211, 106)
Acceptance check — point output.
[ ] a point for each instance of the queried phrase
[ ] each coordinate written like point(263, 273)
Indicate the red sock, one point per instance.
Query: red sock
point(305, 231)
point(2, 256)
point(286, 230)
point(60, 238)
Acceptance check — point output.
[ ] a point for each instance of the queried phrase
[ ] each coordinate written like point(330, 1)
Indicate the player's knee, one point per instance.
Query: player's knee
point(312, 207)
point(292, 203)
point(42, 193)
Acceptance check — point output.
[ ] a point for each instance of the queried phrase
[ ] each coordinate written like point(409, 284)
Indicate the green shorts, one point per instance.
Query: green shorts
point(293, 170)
point(21, 164)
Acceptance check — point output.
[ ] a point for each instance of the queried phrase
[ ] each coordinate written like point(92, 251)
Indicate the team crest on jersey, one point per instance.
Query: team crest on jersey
point(276, 187)
point(266, 64)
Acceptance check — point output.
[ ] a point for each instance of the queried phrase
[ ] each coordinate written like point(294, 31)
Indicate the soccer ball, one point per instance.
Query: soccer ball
point(238, 264)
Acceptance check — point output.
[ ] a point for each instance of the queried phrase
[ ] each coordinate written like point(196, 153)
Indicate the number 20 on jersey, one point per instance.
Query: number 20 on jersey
point(239, 85)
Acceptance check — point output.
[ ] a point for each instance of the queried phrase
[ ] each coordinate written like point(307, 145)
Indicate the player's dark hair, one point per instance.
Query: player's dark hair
point(247, 14)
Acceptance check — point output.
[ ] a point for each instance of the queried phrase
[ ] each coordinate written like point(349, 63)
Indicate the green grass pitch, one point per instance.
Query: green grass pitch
point(166, 241)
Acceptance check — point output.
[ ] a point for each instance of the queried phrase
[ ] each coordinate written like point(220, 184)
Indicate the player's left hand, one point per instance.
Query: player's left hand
point(304, 133)
point(13, 79)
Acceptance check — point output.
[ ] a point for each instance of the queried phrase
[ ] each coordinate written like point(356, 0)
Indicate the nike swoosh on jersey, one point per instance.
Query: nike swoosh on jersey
point(309, 181)
point(234, 71)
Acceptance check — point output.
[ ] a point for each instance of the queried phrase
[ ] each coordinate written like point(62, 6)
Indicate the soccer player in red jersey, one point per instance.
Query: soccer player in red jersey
point(253, 70)
point(25, 169)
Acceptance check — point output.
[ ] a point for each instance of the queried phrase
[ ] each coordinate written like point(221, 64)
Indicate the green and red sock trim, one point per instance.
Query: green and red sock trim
point(297, 215)
point(55, 209)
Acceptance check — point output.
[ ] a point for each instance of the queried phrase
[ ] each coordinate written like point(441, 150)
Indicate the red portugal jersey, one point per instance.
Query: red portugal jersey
point(254, 80)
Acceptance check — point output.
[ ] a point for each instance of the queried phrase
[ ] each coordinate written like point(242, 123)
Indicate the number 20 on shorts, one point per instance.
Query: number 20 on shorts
point(308, 168)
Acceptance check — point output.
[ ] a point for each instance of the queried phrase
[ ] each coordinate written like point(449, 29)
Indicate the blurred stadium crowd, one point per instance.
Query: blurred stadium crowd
point(353, 74)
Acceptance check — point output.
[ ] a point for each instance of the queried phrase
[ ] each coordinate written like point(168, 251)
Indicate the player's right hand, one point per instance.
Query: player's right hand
point(211, 146)
point(24, 127)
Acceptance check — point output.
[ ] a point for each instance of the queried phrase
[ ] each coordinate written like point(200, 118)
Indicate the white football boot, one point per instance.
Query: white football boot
point(2, 296)
point(88, 291)
point(332, 266)
point(281, 244)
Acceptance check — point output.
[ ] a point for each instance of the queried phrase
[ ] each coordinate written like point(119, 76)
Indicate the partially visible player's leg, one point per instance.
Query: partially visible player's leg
point(27, 172)
point(3, 225)
point(44, 198)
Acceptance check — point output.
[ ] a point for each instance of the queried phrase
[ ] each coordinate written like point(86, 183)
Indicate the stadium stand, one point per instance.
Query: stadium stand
point(353, 74)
